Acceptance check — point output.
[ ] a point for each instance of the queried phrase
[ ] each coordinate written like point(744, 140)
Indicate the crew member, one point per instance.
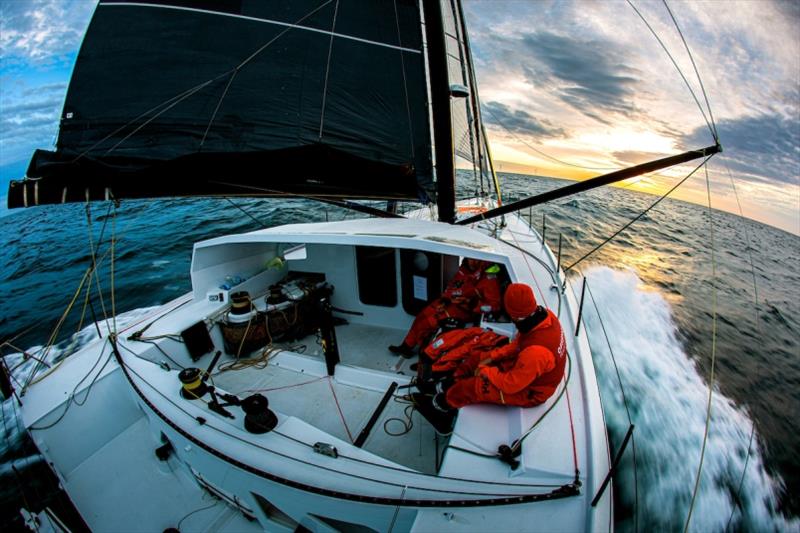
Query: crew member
point(474, 290)
point(525, 372)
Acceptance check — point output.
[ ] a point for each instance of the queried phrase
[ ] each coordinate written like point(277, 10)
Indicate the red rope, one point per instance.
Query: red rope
point(341, 415)
point(286, 386)
point(572, 429)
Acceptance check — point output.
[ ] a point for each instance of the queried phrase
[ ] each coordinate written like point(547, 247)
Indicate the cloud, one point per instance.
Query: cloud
point(588, 75)
point(27, 123)
point(764, 147)
point(518, 121)
point(41, 31)
point(633, 157)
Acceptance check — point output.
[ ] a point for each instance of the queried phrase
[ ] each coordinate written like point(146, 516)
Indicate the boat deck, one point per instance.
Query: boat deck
point(296, 384)
point(157, 495)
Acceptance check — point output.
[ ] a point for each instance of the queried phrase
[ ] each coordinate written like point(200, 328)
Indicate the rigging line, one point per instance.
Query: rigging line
point(475, 101)
point(54, 334)
point(191, 513)
point(471, 125)
point(281, 34)
point(240, 208)
point(71, 398)
point(513, 134)
point(696, 72)
point(691, 91)
point(567, 378)
point(57, 329)
point(713, 353)
point(640, 215)
point(93, 251)
point(180, 98)
point(96, 264)
point(338, 408)
point(405, 81)
point(760, 336)
point(328, 70)
point(627, 410)
point(113, 292)
point(530, 271)
point(326, 199)
point(131, 370)
point(151, 119)
point(574, 444)
point(219, 104)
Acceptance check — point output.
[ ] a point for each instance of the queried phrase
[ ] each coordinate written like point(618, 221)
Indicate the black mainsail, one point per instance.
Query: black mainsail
point(330, 99)
point(267, 98)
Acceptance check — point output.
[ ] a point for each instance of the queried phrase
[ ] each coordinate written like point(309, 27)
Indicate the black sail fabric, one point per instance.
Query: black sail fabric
point(247, 97)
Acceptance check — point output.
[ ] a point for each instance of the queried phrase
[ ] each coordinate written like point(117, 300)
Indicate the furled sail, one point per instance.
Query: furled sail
point(238, 97)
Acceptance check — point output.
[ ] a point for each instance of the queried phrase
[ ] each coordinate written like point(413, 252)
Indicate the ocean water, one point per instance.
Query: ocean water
point(652, 291)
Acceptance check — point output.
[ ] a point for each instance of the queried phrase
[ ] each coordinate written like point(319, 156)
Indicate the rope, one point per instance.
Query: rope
point(287, 386)
point(113, 292)
point(627, 411)
point(219, 104)
point(405, 81)
point(530, 270)
point(713, 354)
point(71, 399)
point(328, 70)
point(510, 132)
point(339, 408)
point(187, 515)
point(240, 208)
point(760, 335)
point(572, 430)
point(696, 72)
point(175, 100)
point(56, 330)
point(666, 51)
point(516, 445)
point(407, 421)
point(640, 215)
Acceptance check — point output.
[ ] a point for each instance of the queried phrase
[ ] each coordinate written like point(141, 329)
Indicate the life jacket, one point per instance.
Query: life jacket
point(449, 349)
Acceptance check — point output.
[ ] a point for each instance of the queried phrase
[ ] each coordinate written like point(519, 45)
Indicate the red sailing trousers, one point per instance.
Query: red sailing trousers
point(427, 321)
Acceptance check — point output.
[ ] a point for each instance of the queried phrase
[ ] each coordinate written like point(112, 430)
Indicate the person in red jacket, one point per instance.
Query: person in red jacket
point(525, 372)
point(474, 290)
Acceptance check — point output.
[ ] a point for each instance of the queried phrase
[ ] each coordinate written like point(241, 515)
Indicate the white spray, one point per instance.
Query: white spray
point(668, 400)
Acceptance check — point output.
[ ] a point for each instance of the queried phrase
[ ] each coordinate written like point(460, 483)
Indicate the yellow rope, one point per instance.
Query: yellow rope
point(713, 355)
point(90, 272)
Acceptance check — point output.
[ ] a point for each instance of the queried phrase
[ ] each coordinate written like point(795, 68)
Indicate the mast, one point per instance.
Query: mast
point(440, 103)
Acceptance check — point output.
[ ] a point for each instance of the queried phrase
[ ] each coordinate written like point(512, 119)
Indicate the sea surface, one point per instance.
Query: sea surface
point(672, 293)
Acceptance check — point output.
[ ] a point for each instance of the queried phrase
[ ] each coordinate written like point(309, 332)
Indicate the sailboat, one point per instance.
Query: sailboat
point(266, 397)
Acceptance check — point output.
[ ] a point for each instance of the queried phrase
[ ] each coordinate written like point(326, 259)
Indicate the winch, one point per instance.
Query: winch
point(290, 312)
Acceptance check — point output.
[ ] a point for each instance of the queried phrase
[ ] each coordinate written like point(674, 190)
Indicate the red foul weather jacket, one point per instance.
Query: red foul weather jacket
point(468, 294)
point(525, 372)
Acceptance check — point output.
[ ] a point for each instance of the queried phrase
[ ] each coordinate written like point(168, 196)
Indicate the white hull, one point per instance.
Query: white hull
point(103, 450)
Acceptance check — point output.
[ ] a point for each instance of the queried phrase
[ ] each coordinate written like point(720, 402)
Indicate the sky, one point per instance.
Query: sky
point(569, 89)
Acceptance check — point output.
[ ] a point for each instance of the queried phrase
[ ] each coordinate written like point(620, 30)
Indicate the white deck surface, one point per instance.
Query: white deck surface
point(143, 493)
point(336, 406)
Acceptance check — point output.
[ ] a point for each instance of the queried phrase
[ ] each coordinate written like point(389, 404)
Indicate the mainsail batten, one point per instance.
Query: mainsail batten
point(222, 86)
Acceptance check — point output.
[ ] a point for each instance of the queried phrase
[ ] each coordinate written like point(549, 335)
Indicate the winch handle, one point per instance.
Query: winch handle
point(212, 365)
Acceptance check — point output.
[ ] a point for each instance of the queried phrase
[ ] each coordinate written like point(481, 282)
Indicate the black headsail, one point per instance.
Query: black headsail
point(201, 97)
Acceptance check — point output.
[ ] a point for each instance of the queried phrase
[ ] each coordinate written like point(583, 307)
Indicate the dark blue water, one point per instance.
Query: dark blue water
point(655, 295)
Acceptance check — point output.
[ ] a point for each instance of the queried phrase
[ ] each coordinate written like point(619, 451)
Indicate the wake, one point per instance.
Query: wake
point(668, 400)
